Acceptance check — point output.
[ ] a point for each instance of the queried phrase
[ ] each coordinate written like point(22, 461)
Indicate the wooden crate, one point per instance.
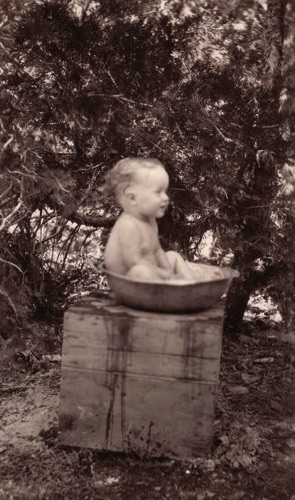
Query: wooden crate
point(139, 381)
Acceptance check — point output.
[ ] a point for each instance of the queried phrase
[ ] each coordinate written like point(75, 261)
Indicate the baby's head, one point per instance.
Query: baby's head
point(127, 172)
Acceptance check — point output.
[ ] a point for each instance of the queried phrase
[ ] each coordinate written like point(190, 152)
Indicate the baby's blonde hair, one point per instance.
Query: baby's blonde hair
point(123, 174)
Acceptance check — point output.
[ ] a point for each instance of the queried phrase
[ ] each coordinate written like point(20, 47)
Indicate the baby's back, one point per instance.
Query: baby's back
point(113, 257)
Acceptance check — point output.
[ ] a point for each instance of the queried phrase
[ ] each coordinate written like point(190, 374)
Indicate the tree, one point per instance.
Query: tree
point(264, 183)
point(284, 290)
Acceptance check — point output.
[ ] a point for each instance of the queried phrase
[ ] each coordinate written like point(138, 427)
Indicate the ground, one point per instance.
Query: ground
point(253, 455)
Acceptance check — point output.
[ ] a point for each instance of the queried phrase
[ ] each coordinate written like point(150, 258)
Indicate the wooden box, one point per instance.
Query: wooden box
point(139, 381)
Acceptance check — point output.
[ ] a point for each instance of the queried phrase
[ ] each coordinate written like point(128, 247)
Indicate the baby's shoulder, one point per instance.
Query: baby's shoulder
point(126, 223)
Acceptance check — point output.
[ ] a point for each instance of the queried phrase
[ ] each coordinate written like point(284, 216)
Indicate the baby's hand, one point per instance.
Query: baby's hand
point(165, 274)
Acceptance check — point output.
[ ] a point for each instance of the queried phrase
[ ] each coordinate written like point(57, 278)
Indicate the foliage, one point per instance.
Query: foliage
point(86, 84)
point(282, 285)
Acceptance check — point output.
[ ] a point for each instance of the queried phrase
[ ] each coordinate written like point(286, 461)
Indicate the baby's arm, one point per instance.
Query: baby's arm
point(162, 260)
point(135, 262)
point(130, 245)
point(180, 268)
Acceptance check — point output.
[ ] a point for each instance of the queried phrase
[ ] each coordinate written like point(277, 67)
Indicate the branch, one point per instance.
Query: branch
point(227, 139)
point(96, 221)
point(9, 216)
point(224, 137)
point(11, 264)
point(7, 191)
point(5, 294)
point(84, 11)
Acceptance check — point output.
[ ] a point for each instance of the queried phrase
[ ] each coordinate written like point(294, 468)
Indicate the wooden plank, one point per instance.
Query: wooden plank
point(168, 336)
point(160, 365)
point(147, 415)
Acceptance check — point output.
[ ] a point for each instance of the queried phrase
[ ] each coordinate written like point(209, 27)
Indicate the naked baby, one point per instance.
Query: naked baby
point(133, 248)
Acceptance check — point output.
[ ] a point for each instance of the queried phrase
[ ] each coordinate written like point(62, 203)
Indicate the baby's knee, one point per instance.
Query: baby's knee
point(171, 254)
point(173, 257)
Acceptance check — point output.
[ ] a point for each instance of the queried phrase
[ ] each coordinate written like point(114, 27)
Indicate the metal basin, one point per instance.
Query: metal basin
point(175, 296)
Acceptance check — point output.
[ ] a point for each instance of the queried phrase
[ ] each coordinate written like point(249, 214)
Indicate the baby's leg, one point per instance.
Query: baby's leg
point(142, 272)
point(179, 265)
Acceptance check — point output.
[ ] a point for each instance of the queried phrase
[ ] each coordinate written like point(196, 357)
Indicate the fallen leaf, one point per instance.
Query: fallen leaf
point(264, 360)
point(238, 389)
point(275, 406)
point(249, 379)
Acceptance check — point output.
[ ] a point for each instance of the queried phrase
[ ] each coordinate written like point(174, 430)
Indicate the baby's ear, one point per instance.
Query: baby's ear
point(129, 193)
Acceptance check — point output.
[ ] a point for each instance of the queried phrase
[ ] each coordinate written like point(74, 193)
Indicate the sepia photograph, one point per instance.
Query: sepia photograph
point(147, 250)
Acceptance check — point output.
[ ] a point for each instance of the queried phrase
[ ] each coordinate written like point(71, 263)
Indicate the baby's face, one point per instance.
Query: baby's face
point(150, 193)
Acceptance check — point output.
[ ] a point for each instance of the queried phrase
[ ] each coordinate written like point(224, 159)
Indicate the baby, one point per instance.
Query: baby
point(133, 248)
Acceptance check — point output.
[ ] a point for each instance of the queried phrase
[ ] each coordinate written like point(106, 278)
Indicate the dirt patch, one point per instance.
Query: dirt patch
point(254, 442)
point(31, 408)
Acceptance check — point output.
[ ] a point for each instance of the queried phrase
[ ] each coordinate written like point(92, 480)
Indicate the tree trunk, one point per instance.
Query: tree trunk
point(237, 300)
